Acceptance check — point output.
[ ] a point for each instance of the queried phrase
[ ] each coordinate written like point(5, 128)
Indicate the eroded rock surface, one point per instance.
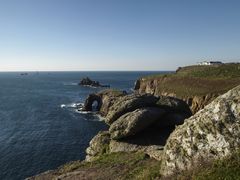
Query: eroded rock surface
point(104, 99)
point(212, 133)
point(129, 103)
point(98, 145)
point(133, 122)
point(139, 122)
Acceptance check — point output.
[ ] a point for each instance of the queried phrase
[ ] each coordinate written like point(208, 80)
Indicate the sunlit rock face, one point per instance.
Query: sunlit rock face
point(212, 133)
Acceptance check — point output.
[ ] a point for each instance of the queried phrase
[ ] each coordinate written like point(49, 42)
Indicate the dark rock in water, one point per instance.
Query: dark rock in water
point(88, 105)
point(133, 122)
point(129, 103)
point(88, 82)
point(212, 133)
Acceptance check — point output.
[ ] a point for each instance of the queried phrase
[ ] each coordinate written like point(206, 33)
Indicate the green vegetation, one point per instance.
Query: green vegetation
point(139, 166)
point(115, 166)
point(230, 70)
point(114, 92)
point(198, 80)
point(225, 169)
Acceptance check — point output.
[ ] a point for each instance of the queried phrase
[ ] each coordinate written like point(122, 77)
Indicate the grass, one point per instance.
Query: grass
point(139, 166)
point(229, 70)
point(224, 169)
point(114, 92)
point(115, 165)
point(197, 80)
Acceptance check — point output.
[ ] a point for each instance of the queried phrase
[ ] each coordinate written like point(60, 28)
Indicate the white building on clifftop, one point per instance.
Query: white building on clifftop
point(208, 63)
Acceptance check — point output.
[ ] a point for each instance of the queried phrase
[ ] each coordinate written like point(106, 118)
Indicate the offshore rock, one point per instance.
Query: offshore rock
point(212, 133)
point(88, 82)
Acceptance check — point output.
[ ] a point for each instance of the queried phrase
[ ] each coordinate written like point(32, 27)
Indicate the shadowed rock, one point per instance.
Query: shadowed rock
point(133, 122)
point(88, 105)
point(173, 104)
point(88, 82)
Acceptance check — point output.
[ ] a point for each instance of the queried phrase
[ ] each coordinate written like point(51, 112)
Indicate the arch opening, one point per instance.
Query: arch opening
point(93, 103)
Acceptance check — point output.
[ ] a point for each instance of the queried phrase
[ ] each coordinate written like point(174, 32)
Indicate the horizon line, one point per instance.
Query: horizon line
point(89, 71)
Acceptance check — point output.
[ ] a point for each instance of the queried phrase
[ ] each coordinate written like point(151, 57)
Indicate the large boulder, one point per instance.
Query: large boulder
point(173, 104)
point(108, 97)
point(154, 151)
point(171, 119)
point(133, 122)
point(129, 103)
point(212, 133)
point(98, 145)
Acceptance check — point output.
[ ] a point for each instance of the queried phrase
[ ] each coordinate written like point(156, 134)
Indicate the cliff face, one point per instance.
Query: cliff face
point(192, 148)
point(196, 85)
point(211, 133)
point(156, 87)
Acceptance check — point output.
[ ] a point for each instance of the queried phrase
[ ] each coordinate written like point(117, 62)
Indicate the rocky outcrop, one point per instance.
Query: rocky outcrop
point(140, 123)
point(108, 98)
point(159, 87)
point(129, 103)
point(133, 122)
point(174, 105)
point(212, 133)
point(88, 105)
point(88, 82)
point(154, 151)
point(104, 99)
point(98, 145)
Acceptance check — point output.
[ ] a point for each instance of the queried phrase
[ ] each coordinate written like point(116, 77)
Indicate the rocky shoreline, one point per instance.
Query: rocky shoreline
point(134, 122)
point(171, 130)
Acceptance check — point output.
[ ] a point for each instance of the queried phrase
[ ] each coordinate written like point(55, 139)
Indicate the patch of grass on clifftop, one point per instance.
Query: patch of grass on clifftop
point(109, 166)
point(195, 80)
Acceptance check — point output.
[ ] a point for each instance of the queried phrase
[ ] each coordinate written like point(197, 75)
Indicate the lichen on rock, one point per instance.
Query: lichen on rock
point(133, 122)
point(212, 133)
point(98, 145)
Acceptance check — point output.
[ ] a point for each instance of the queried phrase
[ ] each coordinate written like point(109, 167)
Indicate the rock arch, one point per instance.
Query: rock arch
point(88, 105)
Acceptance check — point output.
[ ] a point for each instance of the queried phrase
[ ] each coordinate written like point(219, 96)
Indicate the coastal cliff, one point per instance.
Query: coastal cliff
point(196, 85)
point(153, 134)
point(206, 144)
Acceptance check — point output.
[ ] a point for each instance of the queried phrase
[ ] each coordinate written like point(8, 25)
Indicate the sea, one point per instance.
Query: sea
point(40, 127)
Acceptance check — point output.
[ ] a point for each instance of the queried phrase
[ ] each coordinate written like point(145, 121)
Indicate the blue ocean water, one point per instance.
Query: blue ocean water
point(36, 132)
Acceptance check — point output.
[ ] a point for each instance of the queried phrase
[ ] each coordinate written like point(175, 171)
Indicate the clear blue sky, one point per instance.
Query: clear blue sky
point(116, 34)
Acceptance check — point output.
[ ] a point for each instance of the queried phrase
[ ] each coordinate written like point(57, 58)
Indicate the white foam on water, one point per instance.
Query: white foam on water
point(70, 84)
point(78, 108)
